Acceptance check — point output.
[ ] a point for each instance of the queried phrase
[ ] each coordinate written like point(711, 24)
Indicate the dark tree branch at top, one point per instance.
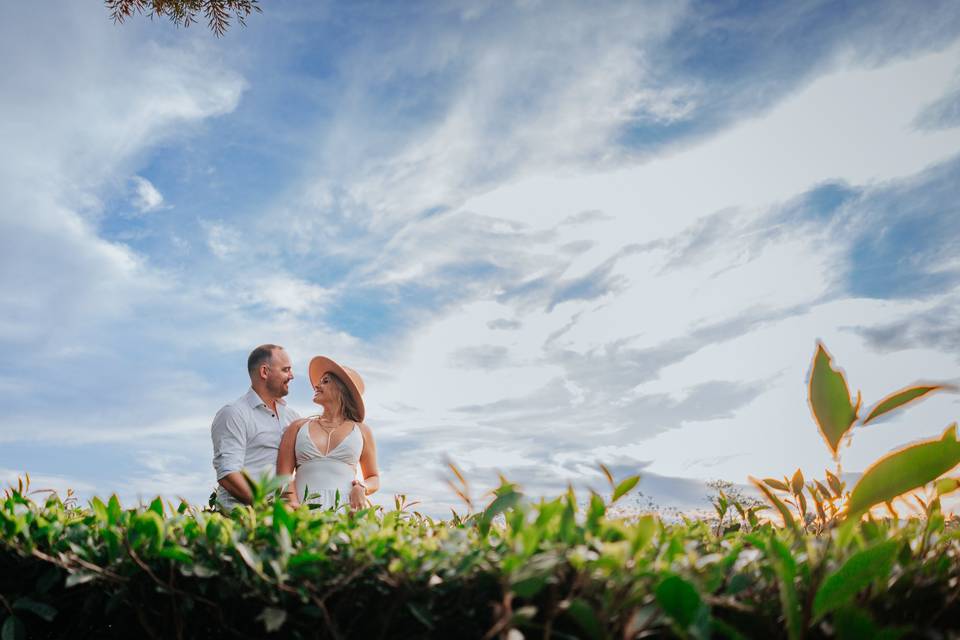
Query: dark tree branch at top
point(185, 12)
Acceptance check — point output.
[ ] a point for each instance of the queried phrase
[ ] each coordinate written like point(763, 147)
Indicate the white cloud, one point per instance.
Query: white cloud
point(74, 126)
point(146, 198)
point(222, 240)
point(532, 93)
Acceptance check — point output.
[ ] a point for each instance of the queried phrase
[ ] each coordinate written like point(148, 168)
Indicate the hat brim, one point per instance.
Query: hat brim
point(320, 365)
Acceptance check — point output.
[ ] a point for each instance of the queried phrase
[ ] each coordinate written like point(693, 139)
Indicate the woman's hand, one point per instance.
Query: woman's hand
point(358, 496)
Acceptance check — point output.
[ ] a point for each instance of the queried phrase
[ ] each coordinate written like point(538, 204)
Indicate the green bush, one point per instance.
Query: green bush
point(540, 569)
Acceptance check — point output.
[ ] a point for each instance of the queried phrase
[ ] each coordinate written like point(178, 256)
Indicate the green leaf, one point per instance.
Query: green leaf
point(79, 577)
point(723, 629)
point(282, 517)
point(421, 614)
point(148, 527)
point(13, 629)
point(624, 487)
point(680, 600)
point(113, 509)
point(39, 609)
point(905, 470)
point(851, 623)
point(785, 566)
point(595, 513)
point(776, 502)
point(830, 400)
point(900, 398)
point(500, 504)
point(249, 556)
point(643, 532)
point(272, 618)
point(178, 553)
point(947, 485)
point(529, 587)
point(99, 509)
point(857, 573)
point(584, 615)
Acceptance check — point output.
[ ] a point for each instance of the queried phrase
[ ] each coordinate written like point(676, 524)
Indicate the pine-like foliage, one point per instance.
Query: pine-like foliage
point(218, 13)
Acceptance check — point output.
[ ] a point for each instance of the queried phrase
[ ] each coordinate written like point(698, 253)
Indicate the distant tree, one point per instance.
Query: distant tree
point(183, 13)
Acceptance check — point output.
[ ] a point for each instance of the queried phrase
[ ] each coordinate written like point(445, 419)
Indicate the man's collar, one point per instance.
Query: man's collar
point(254, 400)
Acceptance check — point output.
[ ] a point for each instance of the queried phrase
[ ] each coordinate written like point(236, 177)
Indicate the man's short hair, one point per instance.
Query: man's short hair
point(260, 356)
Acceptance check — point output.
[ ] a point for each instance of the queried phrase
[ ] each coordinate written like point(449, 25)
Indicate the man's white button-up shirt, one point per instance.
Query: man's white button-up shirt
point(246, 435)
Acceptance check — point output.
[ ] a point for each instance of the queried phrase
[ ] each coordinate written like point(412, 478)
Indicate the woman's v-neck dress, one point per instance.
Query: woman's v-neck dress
point(319, 476)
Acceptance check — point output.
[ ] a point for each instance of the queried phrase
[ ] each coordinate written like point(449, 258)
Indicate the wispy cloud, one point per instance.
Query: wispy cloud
point(146, 196)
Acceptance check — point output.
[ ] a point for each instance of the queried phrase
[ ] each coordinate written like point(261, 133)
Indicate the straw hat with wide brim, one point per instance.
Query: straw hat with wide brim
point(322, 364)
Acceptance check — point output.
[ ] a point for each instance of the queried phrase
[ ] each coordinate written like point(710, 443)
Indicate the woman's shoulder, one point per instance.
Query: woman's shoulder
point(294, 428)
point(364, 429)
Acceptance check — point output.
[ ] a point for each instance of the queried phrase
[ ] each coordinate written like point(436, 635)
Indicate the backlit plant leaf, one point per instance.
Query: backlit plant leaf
point(824, 492)
point(830, 400)
point(905, 470)
point(607, 474)
point(898, 399)
point(501, 503)
point(834, 483)
point(796, 482)
point(777, 503)
point(645, 529)
point(947, 485)
point(624, 487)
point(776, 484)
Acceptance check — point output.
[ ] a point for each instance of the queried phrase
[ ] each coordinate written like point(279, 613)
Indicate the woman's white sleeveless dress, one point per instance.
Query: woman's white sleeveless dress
point(321, 476)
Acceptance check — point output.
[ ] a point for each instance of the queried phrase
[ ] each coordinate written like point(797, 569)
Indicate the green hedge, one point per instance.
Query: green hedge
point(516, 569)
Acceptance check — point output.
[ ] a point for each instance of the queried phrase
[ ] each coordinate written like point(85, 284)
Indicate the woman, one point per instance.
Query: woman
point(324, 450)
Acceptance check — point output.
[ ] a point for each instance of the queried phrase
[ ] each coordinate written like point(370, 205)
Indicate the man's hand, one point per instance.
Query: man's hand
point(237, 486)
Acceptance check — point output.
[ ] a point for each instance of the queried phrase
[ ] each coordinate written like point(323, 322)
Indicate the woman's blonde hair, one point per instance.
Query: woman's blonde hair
point(348, 406)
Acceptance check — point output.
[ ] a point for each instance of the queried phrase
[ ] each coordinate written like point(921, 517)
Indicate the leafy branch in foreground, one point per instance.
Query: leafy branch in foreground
point(183, 13)
point(516, 567)
point(893, 476)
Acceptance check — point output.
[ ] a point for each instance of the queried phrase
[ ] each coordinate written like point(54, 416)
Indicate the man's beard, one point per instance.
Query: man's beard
point(279, 390)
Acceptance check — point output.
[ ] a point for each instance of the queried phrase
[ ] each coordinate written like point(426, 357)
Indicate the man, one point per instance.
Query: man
point(246, 433)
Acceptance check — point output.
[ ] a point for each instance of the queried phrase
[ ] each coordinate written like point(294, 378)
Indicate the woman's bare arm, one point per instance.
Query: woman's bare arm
point(368, 460)
point(287, 459)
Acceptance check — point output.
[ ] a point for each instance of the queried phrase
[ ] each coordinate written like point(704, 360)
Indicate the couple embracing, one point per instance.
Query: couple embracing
point(331, 457)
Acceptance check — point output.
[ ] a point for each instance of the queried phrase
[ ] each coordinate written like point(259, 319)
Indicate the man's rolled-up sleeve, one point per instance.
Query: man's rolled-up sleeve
point(229, 441)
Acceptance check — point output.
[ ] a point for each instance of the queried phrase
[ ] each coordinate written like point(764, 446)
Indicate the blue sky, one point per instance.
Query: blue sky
point(546, 234)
